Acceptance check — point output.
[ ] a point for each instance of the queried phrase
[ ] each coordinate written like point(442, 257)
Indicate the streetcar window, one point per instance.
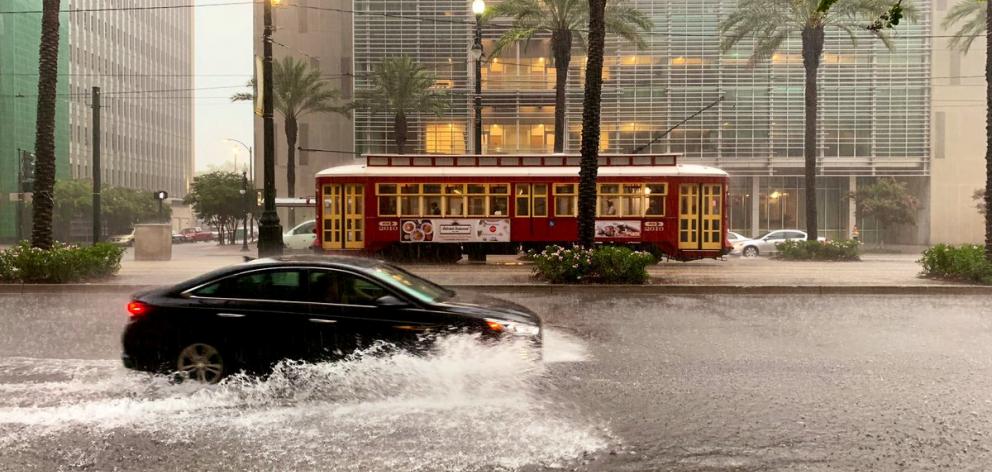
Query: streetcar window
point(432, 205)
point(609, 199)
point(522, 192)
point(539, 196)
point(655, 194)
point(387, 199)
point(454, 200)
point(565, 199)
point(633, 200)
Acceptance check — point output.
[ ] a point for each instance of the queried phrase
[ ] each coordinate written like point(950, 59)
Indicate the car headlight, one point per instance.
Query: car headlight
point(514, 328)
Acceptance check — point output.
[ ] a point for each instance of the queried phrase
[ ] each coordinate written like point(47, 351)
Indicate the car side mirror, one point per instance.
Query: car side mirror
point(389, 301)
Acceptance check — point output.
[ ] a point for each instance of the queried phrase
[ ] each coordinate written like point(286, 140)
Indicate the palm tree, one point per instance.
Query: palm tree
point(770, 22)
point(44, 144)
point(975, 16)
point(589, 166)
point(402, 86)
point(564, 20)
point(298, 90)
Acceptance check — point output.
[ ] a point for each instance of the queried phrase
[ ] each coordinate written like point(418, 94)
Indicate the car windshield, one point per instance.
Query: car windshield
point(421, 289)
point(763, 235)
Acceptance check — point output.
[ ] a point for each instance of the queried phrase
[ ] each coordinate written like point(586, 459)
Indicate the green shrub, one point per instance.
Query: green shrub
point(802, 250)
point(62, 264)
point(621, 265)
point(966, 263)
point(608, 264)
point(560, 265)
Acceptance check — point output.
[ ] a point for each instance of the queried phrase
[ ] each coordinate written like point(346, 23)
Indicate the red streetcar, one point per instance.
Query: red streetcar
point(440, 207)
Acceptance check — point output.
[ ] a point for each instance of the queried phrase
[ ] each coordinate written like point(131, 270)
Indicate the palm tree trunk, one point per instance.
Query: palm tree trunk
point(561, 45)
point(399, 132)
point(292, 128)
point(988, 131)
point(812, 50)
point(44, 144)
point(590, 123)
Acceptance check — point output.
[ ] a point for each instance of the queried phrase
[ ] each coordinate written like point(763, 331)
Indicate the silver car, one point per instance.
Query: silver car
point(765, 244)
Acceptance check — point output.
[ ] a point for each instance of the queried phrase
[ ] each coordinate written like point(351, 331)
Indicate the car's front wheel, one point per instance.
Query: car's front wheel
point(201, 362)
point(750, 251)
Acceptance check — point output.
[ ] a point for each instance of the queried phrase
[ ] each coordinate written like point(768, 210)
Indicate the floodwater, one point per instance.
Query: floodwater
point(469, 407)
point(628, 383)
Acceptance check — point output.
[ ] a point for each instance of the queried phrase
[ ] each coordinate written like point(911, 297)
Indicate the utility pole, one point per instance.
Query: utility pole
point(269, 230)
point(97, 225)
point(20, 195)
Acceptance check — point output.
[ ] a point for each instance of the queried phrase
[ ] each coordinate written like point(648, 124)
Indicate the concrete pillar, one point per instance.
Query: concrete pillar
point(153, 242)
point(755, 209)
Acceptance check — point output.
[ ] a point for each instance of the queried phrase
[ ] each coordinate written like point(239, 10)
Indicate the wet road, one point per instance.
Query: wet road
point(683, 383)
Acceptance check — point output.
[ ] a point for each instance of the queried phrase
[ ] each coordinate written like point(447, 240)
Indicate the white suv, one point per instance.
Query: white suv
point(766, 243)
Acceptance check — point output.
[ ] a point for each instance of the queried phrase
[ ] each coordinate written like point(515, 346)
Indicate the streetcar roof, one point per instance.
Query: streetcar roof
point(361, 170)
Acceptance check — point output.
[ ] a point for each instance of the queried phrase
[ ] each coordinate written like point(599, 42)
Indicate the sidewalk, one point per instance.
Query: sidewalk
point(874, 270)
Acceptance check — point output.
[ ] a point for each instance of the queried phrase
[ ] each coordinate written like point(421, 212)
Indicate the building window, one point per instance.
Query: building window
point(444, 138)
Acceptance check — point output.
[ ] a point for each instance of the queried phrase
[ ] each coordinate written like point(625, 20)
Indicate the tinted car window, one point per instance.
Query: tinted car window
point(305, 229)
point(776, 236)
point(264, 285)
point(340, 287)
point(796, 235)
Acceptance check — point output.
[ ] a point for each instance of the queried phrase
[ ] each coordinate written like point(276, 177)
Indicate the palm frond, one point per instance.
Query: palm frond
point(628, 23)
point(400, 85)
point(971, 16)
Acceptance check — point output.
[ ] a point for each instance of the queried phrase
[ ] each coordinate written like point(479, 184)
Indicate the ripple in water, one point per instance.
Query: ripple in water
point(469, 407)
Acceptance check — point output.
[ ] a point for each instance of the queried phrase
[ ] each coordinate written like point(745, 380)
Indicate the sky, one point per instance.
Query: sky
point(224, 61)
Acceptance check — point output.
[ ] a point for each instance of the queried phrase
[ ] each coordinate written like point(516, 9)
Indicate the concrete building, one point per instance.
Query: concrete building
point(143, 63)
point(311, 31)
point(958, 165)
point(20, 34)
point(883, 112)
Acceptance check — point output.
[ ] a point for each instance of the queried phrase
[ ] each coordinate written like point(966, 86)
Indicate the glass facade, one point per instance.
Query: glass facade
point(873, 116)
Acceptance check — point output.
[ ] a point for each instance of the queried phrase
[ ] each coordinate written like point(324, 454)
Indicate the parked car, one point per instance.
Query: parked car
point(252, 315)
point(122, 239)
point(178, 238)
point(301, 237)
point(734, 238)
point(195, 235)
point(765, 244)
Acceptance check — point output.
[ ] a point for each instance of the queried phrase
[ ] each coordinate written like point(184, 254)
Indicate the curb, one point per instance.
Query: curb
point(545, 289)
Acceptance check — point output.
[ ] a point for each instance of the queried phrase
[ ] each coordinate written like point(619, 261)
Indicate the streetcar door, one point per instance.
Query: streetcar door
point(343, 216)
point(712, 206)
point(700, 216)
point(689, 216)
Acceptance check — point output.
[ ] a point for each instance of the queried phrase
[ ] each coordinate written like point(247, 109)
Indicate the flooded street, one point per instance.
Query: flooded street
point(635, 383)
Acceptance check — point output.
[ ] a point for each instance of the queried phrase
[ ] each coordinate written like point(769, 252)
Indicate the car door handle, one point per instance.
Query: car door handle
point(230, 315)
point(322, 321)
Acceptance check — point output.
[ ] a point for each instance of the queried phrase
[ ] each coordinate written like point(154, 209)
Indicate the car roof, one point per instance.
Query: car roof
point(352, 262)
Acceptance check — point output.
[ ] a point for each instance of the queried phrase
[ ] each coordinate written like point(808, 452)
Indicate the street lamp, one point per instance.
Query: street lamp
point(478, 8)
point(269, 229)
point(251, 171)
point(244, 208)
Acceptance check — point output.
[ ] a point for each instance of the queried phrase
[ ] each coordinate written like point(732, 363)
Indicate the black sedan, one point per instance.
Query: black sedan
point(252, 315)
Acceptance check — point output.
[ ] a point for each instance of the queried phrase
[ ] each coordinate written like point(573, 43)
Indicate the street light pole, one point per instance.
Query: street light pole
point(251, 172)
point(478, 7)
point(269, 230)
point(244, 209)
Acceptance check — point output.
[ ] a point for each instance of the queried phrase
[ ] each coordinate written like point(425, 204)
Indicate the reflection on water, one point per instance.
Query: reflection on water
point(469, 407)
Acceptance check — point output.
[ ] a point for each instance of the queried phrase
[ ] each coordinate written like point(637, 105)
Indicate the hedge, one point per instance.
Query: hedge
point(607, 264)
point(963, 263)
point(62, 264)
point(802, 250)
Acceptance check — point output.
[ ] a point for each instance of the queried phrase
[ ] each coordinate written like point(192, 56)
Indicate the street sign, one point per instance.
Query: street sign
point(161, 195)
point(259, 86)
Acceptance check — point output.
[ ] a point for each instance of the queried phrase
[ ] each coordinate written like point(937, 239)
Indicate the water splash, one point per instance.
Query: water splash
point(468, 407)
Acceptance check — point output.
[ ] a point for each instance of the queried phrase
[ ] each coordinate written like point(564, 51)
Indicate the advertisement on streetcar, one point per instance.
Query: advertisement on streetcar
point(455, 230)
point(618, 229)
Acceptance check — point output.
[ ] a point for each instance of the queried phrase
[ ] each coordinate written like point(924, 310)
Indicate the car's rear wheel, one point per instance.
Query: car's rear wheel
point(750, 251)
point(201, 362)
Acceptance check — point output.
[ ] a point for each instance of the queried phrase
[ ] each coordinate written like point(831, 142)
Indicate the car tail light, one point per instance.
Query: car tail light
point(495, 326)
point(137, 309)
